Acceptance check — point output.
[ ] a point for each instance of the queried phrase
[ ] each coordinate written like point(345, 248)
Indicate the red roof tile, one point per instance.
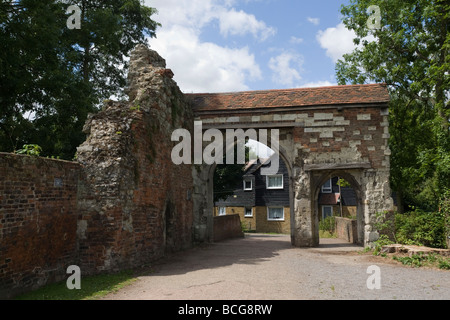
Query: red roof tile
point(328, 198)
point(334, 95)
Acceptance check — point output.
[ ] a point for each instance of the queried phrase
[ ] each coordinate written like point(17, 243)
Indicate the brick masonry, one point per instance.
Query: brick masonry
point(346, 229)
point(123, 205)
point(38, 219)
point(227, 227)
point(137, 204)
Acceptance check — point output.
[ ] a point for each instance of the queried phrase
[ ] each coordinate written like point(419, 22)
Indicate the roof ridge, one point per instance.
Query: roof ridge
point(287, 90)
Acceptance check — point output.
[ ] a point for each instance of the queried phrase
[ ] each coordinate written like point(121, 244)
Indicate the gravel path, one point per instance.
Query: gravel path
point(267, 267)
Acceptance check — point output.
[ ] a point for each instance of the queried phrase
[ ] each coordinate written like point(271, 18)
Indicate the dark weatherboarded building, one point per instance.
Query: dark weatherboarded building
point(261, 201)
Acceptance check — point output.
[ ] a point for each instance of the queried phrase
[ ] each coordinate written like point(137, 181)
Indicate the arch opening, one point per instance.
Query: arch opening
point(264, 203)
point(338, 207)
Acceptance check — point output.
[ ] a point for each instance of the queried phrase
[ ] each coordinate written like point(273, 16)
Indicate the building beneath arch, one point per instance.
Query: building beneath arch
point(261, 201)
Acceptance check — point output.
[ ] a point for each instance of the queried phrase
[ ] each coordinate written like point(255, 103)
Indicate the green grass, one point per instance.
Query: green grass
point(420, 260)
point(92, 287)
point(326, 234)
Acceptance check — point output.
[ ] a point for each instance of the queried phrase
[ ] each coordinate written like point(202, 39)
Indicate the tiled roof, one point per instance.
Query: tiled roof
point(334, 95)
point(328, 198)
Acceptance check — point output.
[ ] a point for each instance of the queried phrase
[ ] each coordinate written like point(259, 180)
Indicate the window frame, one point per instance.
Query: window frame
point(275, 188)
point(251, 184)
point(323, 215)
point(272, 219)
point(327, 189)
point(219, 211)
point(245, 213)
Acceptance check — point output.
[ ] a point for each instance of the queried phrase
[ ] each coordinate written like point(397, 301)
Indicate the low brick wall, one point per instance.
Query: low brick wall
point(227, 227)
point(346, 229)
point(38, 221)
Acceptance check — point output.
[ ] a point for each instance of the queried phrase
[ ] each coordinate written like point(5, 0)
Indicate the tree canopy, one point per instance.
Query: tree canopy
point(52, 76)
point(409, 51)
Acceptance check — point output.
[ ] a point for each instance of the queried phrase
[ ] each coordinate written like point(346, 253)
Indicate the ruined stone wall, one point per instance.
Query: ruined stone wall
point(38, 220)
point(136, 204)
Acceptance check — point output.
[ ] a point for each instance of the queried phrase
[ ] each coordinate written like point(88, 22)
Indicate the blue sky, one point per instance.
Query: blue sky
point(237, 45)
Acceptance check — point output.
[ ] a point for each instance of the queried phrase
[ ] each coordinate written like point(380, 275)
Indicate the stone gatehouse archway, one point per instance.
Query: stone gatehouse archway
point(128, 177)
point(322, 131)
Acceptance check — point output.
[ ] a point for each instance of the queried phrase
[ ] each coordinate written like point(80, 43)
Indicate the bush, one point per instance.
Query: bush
point(328, 224)
point(383, 240)
point(421, 228)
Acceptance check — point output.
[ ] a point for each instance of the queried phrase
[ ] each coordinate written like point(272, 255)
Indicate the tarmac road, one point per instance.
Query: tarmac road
point(267, 267)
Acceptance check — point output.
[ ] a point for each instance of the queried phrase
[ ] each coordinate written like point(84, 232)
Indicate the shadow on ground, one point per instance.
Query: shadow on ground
point(253, 249)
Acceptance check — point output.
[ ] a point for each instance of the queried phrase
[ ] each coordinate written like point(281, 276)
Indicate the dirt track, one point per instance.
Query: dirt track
point(267, 267)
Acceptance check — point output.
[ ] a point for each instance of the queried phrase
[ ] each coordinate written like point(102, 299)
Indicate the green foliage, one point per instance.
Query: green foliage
point(385, 224)
point(51, 77)
point(410, 53)
point(383, 240)
point(419, 260)
point(415, 260)
point(412, 228)
point(445, 209)
point(228, 177)
point(92, 287)
point(327, 227)
point(343, 183)
point(30, 149)
point(328, 224)
point(421, 228)
point(444, 264)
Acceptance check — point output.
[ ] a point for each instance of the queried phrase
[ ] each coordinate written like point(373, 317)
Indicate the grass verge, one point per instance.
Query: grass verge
point(92, 288)
point(421, 260)
point(326, 234)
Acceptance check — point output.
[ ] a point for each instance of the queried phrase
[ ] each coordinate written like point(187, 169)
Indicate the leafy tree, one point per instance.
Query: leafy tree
point(410, 53)
point(51, 76)
point(227, 177)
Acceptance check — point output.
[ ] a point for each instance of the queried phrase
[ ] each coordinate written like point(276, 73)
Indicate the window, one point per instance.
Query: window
point(222, 211)
point(249, 212)
point(275, 214)
point(327, 188)
point(248, 185)
point(327, 211)
point(274, 182)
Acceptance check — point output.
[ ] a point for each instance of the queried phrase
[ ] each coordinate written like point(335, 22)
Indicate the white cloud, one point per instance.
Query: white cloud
point(240, 23)
point(296, 40)
point(286, 67)
point(317, 84)
point(338, 41)
point(205, 66)
point(314, 21)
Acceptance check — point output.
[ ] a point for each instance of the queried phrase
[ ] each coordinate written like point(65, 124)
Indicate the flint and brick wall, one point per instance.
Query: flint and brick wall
point(123, 205)
point(346, 229)
point(227, 227)
point(38, 221)
point(136, 204)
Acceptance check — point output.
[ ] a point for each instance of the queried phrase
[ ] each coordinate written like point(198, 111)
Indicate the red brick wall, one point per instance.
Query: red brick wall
point(38, 221)
point(346, 229)
point(227, 227)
